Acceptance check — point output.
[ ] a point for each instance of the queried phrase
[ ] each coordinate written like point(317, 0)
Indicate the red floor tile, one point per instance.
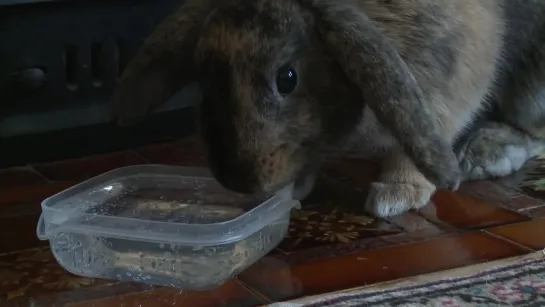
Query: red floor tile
point(466, 212)
point(230, 294)
point(186, 152)
point(499, 195)
point(84, 168)
point(71, 292)
point(10, 211)
point(423, 234)
point(412, 223)
point(536, 213)
point(16, 177)
point(530, 234)
point(32, 194)
point(19, 232)
point(279, 281)
point(19, 212)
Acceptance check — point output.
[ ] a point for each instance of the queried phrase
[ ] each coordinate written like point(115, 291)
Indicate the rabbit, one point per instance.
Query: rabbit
point(439, 91)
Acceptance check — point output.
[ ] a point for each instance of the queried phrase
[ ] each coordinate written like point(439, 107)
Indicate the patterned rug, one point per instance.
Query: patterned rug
point(512, 282)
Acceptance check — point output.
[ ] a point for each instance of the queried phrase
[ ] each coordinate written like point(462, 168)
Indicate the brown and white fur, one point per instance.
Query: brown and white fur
point(402, 80)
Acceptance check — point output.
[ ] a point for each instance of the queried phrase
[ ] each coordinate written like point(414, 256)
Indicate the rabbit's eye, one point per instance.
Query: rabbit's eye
point(286, 80)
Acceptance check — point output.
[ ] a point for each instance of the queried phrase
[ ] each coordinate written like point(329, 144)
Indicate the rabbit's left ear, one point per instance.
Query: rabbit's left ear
point(161, 67)
point(388, 87)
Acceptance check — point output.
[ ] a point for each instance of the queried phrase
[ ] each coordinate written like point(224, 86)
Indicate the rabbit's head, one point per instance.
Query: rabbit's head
point(280, 80)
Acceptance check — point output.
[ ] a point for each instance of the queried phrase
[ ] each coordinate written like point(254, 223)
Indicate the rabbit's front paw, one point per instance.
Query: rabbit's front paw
point(389, 199)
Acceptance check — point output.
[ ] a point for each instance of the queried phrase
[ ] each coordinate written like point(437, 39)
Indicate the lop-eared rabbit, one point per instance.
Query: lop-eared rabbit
point(285, 83)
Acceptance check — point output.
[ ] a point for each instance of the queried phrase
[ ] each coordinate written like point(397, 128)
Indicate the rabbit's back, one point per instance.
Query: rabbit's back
point(452, 47)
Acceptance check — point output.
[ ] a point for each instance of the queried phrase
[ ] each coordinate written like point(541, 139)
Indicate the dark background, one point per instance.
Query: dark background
point(59, 63)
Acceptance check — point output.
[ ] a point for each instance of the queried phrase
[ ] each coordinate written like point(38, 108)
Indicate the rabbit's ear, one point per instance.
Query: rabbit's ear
point(388, 87)
point(161, 67)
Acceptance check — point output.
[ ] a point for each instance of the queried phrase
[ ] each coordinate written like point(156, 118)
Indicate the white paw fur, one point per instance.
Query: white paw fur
point(389, 199)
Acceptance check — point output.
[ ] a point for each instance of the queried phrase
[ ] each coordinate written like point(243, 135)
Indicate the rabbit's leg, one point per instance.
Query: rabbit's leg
point(501, 148)
point(497, 149)
point(401, 187)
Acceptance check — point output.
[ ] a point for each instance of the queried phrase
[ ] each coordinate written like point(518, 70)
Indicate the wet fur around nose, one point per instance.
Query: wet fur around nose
point(396, 79)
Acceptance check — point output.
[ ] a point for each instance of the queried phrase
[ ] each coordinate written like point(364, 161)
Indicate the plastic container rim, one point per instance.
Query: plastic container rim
point(248, 223)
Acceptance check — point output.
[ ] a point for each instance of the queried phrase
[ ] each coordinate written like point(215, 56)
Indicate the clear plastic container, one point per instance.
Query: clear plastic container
point(162, 225)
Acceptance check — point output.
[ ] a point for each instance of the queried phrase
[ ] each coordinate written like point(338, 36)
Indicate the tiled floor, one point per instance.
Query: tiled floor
point(331, 244)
